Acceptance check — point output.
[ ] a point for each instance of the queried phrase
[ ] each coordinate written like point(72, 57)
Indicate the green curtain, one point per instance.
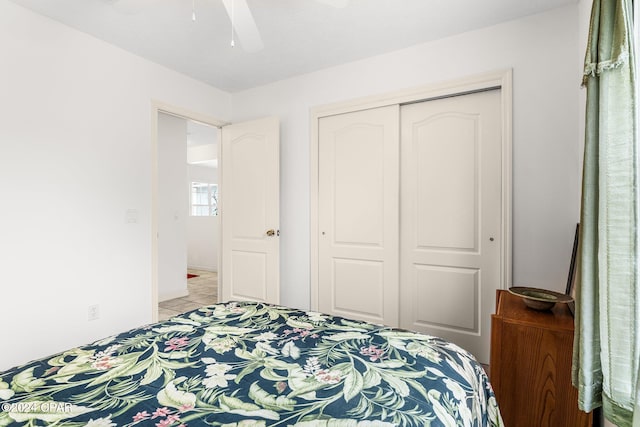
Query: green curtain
point(606, 349)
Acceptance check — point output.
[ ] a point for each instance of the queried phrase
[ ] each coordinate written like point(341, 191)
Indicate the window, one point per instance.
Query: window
point(204, 199)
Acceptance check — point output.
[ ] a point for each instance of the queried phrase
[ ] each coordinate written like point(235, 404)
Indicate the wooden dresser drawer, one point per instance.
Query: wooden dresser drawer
point(530, 368)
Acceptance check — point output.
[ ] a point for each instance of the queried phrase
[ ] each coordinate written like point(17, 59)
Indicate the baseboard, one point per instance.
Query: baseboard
point(203, 268)
point(173, 295)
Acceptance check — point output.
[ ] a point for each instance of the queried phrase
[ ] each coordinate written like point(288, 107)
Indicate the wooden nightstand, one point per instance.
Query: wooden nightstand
point(530, 366)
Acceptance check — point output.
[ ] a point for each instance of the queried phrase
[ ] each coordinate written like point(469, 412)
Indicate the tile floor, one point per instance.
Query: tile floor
point(203, 290)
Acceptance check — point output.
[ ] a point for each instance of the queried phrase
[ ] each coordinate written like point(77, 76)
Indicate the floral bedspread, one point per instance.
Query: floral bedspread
point(249, 364)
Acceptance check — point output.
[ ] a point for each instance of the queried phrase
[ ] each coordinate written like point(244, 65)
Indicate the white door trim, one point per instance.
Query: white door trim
point(502, 79)
point(158, 107)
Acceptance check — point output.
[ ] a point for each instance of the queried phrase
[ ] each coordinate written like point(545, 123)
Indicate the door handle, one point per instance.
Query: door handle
point(271, 232)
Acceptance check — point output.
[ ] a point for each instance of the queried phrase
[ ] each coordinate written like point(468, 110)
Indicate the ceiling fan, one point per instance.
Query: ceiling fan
point(242, 23)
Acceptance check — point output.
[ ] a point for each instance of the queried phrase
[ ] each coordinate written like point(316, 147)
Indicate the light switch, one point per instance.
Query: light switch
point(131, 216)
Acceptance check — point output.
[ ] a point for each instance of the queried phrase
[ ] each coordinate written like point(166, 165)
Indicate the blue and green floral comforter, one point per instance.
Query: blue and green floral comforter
point(249, 364)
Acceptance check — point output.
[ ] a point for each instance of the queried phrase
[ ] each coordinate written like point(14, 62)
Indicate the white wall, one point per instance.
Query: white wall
point(202, 153)
point(173, 207)
point(74, 112)
point(75, 156)
point(541, 49)
point(203, 231)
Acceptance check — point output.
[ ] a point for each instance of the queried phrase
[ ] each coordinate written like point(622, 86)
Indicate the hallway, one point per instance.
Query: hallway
point(203, 290)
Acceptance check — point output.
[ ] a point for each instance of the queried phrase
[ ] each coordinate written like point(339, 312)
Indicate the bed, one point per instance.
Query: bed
point(252, 364)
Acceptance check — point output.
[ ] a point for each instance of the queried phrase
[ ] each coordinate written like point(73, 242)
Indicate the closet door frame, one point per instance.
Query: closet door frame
point(501, 79)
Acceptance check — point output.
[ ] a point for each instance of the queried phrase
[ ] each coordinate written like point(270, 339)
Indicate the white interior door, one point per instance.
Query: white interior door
point(358, 215)
point(250, 178)
point(451, 218)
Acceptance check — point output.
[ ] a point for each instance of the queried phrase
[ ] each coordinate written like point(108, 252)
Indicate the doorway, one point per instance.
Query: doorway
point(249, 230)
point(184, 151)
point(188, 215)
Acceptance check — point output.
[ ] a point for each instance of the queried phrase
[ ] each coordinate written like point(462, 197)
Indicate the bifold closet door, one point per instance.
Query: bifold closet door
point(358, 214)
point(451, 217)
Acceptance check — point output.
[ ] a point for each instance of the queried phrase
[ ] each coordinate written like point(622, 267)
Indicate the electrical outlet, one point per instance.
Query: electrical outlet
point(93, 313)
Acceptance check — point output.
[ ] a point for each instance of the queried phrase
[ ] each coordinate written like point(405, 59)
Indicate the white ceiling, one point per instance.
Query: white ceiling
point(299, 36)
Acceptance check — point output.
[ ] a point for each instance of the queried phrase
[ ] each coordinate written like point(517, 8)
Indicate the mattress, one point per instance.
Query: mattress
point(253, 364)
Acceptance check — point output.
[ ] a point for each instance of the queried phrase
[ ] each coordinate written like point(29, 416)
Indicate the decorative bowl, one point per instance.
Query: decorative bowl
point(539, 299)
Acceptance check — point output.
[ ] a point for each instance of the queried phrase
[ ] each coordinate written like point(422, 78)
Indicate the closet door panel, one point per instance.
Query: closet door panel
point(358, 175)
point(446, 163)
point(462, 293)
point(451, 217)
point(358, 286)
point(358, 214)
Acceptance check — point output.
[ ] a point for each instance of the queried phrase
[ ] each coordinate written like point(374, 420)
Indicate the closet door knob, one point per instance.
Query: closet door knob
point(271, 232)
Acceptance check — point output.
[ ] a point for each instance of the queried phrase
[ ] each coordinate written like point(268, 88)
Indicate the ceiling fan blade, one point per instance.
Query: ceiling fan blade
point(244, 25)
point(335, 3)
